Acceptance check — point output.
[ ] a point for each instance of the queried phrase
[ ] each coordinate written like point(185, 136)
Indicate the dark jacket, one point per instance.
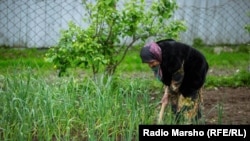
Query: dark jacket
point(195, 66)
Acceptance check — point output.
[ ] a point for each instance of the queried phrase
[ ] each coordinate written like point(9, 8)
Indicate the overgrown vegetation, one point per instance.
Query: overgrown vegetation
point(38, 108)
point(36, 104)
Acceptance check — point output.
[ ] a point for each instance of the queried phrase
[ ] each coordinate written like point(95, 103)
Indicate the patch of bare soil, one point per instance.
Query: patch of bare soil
point(227, 105)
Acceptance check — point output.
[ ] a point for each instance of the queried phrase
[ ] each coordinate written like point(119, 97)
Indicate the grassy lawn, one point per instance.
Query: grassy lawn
point(38, 105)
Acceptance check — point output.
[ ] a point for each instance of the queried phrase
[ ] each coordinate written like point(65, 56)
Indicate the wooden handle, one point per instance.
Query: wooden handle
point(163, 105)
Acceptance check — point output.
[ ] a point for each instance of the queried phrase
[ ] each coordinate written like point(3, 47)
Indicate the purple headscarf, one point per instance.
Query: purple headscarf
point(150, 52)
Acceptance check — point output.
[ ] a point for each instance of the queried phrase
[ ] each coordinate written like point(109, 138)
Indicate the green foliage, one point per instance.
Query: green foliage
point(76, 47)
point(51, 108)
point(239, 79)
point(235, 59)
point(243, 49)
point(40, 106)
point(198, 42)
point(14, 59)
point(113, 29)
point(247, 27)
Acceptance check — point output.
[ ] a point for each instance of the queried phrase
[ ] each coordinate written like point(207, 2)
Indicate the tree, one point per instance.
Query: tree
point(114, 27)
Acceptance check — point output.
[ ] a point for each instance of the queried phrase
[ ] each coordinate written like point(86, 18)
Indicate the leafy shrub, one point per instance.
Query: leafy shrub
point(198, 42)
point(112, 31)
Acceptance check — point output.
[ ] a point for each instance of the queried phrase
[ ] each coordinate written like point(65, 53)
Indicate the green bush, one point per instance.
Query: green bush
point(198, 42)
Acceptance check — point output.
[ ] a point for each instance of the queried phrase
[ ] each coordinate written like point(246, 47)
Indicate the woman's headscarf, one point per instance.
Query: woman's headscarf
point(150, 52)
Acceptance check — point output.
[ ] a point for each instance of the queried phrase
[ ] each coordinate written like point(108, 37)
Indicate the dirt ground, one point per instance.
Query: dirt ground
point(227, 105)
